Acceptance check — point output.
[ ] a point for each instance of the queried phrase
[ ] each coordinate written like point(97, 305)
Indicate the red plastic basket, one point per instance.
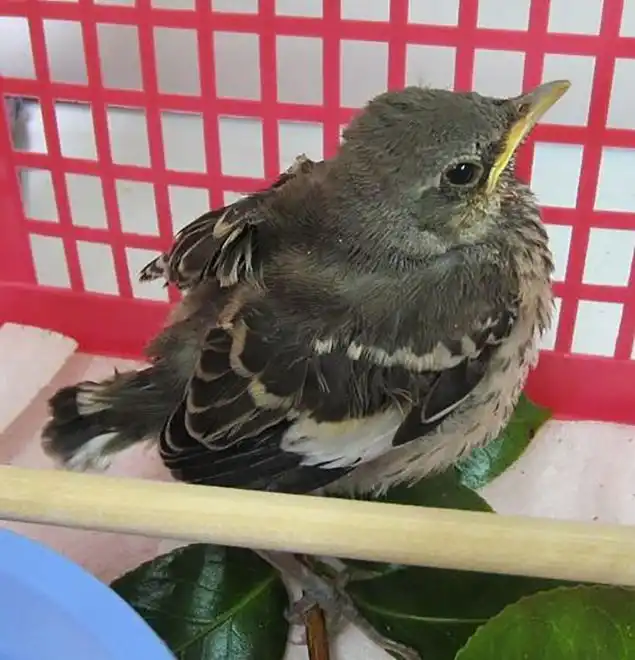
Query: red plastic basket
point(574, 382)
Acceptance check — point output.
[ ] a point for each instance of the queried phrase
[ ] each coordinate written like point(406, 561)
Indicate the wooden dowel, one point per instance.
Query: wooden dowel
point(322, 526)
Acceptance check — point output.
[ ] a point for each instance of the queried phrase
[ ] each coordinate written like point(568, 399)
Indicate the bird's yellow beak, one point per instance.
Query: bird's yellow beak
point(532, 106)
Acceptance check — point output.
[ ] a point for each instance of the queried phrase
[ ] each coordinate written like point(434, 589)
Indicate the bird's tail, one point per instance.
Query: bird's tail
point(90, 421)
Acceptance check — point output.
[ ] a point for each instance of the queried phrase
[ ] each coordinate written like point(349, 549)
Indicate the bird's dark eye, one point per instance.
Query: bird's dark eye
point(463, 174)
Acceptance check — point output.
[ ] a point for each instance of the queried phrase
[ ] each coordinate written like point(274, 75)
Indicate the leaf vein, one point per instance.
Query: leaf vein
point(414, 617)
point(226, 616)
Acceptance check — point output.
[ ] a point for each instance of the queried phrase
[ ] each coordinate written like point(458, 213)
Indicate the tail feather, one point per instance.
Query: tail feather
point(79, 440)
point(90, 422)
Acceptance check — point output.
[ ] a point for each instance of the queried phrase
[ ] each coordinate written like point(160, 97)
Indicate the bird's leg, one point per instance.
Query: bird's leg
point(316, 590)
point(327, 592)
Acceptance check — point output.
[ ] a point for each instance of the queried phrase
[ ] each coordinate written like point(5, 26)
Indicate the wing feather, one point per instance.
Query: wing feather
point(220, 243)
point(263, 411)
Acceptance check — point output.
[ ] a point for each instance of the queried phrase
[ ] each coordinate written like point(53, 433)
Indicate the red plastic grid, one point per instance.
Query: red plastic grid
point(575, 385)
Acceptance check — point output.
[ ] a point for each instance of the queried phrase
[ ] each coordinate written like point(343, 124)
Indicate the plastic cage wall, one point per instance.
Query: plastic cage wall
point(144, 113)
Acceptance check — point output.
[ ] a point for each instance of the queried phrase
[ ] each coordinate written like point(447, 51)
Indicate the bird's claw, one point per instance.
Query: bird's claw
point(339, 610)
point(328, 593)
point(324, 596)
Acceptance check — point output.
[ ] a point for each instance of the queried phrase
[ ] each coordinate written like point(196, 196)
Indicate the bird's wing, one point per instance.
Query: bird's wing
point(466, 363)
point(252, 384)
point(219, 242)
point(264, 411)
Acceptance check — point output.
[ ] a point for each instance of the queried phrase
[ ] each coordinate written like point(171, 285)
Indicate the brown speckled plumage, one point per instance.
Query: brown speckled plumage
point(366, 320)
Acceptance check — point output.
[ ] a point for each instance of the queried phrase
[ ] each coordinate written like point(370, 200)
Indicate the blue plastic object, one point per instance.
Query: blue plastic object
point(52, 609)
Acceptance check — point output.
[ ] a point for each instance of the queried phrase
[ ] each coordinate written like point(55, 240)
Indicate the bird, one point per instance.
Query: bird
point(365, 321)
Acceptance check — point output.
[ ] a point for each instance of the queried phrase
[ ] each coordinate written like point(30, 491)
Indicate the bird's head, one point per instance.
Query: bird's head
point(444, 159)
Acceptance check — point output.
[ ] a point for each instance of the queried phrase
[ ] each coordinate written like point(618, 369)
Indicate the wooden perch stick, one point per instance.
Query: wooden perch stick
point(322, 526)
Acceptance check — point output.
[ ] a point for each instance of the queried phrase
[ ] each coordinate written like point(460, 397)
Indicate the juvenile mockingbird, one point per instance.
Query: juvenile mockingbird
point(367, 320)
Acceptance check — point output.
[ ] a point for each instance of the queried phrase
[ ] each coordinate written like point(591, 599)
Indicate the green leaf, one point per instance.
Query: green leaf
point(433, 610)
point(486, 463)
point(436, 611)
point(211, 603)
point(444, 491)
point(575, 623)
